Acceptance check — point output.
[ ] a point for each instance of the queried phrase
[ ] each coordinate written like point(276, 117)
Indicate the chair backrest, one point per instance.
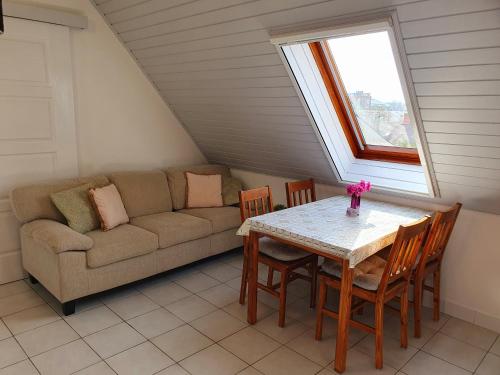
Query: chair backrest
point(404, 251)
point(300, 192)
point(255, 202)
point(439, 234)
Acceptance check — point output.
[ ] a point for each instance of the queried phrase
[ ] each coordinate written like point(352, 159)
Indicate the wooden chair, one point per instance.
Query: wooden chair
point(430, 263)
point(300, 192)
point(377, 281)
point(277, 256)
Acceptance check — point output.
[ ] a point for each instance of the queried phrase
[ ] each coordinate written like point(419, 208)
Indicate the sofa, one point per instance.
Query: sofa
point(161, 235)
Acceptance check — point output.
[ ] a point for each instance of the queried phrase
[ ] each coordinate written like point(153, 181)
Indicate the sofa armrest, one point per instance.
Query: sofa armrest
point(56, 236)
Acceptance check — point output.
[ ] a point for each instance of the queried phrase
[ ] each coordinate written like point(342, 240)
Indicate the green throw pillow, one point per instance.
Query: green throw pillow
point(76, 207)
point(230, 188)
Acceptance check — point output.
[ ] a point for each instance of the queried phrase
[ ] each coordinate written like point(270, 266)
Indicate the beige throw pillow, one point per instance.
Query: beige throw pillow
point(203, 190)
point(109, 206)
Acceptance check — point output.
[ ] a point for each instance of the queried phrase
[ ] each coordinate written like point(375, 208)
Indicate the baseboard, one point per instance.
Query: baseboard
point(470, 315)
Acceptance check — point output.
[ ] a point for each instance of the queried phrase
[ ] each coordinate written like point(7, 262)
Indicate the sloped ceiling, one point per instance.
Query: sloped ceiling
point(212, 62)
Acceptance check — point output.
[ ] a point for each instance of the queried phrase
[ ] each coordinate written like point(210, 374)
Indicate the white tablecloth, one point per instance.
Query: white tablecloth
point(324, 225)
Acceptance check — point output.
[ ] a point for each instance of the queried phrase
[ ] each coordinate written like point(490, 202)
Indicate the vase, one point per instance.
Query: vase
point(353, 210)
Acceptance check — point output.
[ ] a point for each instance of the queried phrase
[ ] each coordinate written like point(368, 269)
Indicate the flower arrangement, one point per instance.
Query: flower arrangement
point(355, 191)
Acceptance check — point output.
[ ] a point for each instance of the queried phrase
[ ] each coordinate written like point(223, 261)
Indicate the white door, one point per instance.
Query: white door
point(37, 121)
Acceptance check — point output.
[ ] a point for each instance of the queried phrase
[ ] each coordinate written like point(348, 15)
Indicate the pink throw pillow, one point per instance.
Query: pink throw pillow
point(109, 206)
point(203, 190)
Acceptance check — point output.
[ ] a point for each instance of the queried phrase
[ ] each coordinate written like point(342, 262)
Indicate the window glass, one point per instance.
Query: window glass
point(367, 69)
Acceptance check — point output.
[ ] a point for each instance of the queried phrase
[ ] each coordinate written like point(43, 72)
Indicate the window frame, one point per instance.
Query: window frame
point(338, 95)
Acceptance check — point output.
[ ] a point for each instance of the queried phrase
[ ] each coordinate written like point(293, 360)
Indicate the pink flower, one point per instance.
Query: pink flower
point(359, 188)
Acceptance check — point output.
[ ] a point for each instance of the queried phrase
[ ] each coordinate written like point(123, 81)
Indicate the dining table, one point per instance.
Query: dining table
point(323, 228)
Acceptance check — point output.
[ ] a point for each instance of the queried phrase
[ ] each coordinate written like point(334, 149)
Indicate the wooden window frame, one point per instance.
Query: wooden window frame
point(345, 112)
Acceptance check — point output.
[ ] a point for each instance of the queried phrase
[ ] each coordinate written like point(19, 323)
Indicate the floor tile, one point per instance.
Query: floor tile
point(286, 362)
point(166, 293)
point(132, 306)
point(235, 283)
point(65, 359)
point(240, 311)
point(249, 344)
point(155, 323)
point(182, 342)
point(94, 320)
point(321, 352)
point(250, 371)
point(300, 310)
point(112, 295)
point(113, 340)
point(361, 364)
point(31, 318)
point(21, 368)
point(47, 337)
point(454, 351)
point(218, 325)
point(191, 308)
point(13, 288)
point(424, 364)
point(195, 281)
point(496, 347)
point(18, 302)
point(392, 329)
point(427, 318)
point(269, 326)
point(300, 288)
point(10, 352)
point(394, 355)
point(220, 271)
point(100, 368)
point(220, 295)
point(144, 359)
point(173, 370)
point(213, 360)
point(489, 366)
point(469, 333)
point(4, 331)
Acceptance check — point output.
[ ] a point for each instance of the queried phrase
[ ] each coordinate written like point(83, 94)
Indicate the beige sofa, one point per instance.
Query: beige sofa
point(161, 235)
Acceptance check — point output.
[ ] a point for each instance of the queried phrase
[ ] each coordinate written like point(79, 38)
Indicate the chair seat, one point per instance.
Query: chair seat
point(280, 251)
point(367, 274)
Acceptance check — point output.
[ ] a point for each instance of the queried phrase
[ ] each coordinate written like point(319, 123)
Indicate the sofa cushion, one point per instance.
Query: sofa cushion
point(76, 207)
point(177, 180)
point(173, 228)
point(120, 243)
point(33, 201)
point(143, 192)
point(222, 218)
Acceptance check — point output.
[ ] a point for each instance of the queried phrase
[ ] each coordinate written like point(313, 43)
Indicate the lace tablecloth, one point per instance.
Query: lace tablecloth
point(323, 225)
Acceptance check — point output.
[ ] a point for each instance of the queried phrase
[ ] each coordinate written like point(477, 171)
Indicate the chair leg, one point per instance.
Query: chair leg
point(283, 286)
point(404, 318)
point(244, 277)
point(379, 334)
point(436, 294)
point(319, 308)
point(417, 306)
point(270, 277)
point(314, 281)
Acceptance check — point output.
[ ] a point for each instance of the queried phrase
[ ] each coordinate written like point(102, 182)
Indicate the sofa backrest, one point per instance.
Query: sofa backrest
point(143, 192)
point(177, 180)
point(33, 201)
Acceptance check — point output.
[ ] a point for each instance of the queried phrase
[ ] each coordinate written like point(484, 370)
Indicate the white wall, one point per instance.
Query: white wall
point(470, 277)
point(122, 122)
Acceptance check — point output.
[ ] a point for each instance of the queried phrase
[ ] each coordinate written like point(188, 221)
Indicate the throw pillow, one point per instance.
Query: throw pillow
point(76, 207)
point(230, 188)
point(203, 190)
point(109, 206)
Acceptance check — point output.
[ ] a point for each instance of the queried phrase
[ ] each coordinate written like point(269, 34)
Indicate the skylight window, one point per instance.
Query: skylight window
point(361, 75)
point(355, 84)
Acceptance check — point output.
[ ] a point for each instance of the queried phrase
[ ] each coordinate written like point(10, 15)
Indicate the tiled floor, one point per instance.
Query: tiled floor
point(190, 322)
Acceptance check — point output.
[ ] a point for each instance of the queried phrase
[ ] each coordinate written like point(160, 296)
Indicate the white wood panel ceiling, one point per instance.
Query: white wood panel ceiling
point(212, 62)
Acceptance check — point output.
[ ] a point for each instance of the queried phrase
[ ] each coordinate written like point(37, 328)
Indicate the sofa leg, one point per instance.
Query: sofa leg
point(68, 308)
point(33, 280)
